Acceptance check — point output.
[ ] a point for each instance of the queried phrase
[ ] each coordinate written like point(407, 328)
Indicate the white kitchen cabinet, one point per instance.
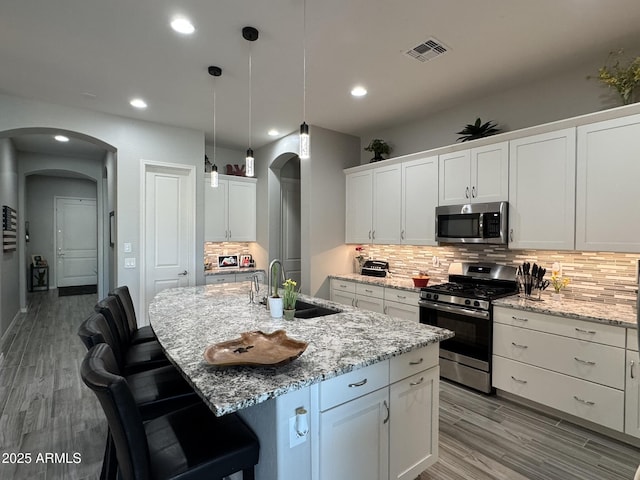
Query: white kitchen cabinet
point(387, 184)
point(632, 394)
point(419, 201)
point(607, 193)
point(233, 277)
point(542, 191)
point(230, 210)
point(359, 205)
point(370, 297)
point(354, 438)
point(402, 304)
point(413, 429)
point(343, 292)
point(479, 174)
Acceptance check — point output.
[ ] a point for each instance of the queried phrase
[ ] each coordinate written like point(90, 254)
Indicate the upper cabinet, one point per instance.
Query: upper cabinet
point(542, 191)
point(607, 177)
point(230, 210)
point(419, 201)
point(475, 175)
point(393, 204)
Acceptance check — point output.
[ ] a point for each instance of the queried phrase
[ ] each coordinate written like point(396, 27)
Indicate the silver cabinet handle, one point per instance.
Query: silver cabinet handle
point(369, 234)
point(413, 384)
point(402, 235)
point(631, 364)
point(416, 362)
point(368, 291)
point(585, 362)
point(466, 192)
point(182, 274)
point(586, 402)
point(473, 192)
point(518, 345)
point(511, 235)
point(373, 235)
point(401, 297)
point(342, 285)
point(386, 405)
point(353, 302)
point(356, 305)
point(590, 332)
point(358, 384)
point(384, 310)
point(518, 380)
point(520, 319)
point(229, 234)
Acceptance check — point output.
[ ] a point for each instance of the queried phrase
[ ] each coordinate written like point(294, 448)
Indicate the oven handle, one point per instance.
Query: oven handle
point(460, 310)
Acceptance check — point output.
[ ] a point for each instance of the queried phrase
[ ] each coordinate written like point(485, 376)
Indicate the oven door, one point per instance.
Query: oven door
point(471, 345)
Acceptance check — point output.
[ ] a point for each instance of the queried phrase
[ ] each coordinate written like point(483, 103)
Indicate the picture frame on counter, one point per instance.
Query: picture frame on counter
point(245, 260)
point(227, 261)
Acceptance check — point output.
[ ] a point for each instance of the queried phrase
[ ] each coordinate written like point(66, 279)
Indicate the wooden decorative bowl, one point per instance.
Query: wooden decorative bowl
point(420, 282)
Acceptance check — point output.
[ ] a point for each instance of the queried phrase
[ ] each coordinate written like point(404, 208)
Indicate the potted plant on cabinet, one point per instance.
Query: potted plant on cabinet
point(275, 300)
point(289, 298)
point(477, 130)
point(378, 147)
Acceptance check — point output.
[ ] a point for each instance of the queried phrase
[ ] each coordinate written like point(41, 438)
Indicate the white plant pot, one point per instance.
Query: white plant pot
point(275, 307)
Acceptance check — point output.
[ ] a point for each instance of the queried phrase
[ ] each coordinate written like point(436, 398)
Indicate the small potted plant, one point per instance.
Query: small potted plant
point(378, 147)
point(558, 282)
point(359, 259)
point(477, 130)
point(623, 77)
point(275, 300)
point(289, 298)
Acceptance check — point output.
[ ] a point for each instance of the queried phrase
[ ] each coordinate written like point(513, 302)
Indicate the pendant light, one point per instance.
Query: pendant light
point(250, 34)
point(214, 72)
point(304, 128)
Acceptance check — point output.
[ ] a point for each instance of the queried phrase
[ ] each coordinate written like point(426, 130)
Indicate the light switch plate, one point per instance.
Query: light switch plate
point(127, 248)
point(130, 262)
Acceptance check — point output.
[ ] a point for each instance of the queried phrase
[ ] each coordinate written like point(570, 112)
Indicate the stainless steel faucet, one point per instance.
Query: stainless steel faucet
point(284, 276)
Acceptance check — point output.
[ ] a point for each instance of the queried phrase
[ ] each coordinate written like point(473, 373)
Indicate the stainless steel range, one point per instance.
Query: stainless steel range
point(464, 305)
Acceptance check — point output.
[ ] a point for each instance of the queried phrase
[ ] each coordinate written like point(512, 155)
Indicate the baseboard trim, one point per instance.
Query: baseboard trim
point(11, 325)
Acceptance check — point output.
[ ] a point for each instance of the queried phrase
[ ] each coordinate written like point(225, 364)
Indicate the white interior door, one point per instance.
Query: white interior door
point(290, 218)
point(76, 242)
point(169, 207)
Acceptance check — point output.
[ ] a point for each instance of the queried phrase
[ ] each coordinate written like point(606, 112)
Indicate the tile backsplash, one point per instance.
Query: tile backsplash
point(595, 276)
point(213, 249)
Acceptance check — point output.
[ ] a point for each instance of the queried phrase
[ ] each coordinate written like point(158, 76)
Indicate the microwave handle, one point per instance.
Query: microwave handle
point(481, 225)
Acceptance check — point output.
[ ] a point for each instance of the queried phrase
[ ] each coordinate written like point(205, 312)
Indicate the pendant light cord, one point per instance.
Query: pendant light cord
point(304, 60)
point(214, 122)
point(250, 76)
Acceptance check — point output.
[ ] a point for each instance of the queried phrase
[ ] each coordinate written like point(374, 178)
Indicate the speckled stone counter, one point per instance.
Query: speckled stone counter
point(226, 271)
point(187, 320)
point(400, 283)
point(619, 315)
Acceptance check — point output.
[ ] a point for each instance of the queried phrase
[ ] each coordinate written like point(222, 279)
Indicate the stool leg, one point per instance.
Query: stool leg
point(248, 474)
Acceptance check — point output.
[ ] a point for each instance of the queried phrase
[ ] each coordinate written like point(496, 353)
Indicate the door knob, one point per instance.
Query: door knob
point(182, 274)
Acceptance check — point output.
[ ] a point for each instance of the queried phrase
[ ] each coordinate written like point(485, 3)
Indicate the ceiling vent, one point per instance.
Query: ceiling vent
point(427, 50)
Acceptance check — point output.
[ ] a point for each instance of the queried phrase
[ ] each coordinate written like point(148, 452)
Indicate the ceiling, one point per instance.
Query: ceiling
point(97, 55)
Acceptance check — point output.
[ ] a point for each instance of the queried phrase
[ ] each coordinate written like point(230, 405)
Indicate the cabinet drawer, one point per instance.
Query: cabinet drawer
point(215, 279)
point(413, 362)
point(567, 327)
point(596, 403)
point(354, 384)
point(401, 296)
point(248, 276)
point(343, 285)
point(369, 290)
point(632, 339)
point(589, 361)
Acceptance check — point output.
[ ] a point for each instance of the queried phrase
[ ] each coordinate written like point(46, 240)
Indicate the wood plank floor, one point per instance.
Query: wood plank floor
point(45, 408)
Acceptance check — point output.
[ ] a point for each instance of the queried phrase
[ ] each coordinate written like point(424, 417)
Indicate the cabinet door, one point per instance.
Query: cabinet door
point(490, 173)
point(632, 396)
point(354, 439)
point(370, 303)
point(359, 202)
point(387, 182)
point(419, 201)
point(215, 279)
point(542, 191)
point(607, 195)
point(455, 171)
point(242, 212)
point(413, 433)
point(402, 310)
point(216, 210)
point(345, 298)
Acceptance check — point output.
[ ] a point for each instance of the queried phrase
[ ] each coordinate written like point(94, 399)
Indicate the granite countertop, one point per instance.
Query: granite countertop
point(401, 283)
point(612, 314)
point(227, 270)
point(187, 320)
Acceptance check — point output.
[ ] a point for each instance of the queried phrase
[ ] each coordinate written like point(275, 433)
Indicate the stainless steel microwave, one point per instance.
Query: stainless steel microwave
point(472, 223)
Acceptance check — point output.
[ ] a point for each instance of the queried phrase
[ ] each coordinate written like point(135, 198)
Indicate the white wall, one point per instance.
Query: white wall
point(224, 156)
point(555, 97)
point(133, 140)
point(41, 191)
point(9, 265)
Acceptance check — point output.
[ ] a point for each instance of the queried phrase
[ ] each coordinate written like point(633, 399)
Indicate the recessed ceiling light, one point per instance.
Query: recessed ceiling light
point(61, 138)
point(138, 103)
point(182, 25)
point(359, 91)
point(273, 132)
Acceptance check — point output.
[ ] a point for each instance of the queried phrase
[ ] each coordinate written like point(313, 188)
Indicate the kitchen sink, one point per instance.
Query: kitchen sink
point(310, 310)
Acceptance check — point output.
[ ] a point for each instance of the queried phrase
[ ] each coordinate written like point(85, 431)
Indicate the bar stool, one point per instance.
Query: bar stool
point(136, 334)
point(190, 443)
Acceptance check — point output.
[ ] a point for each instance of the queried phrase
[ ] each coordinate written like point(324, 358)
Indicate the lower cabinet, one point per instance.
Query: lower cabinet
point(632, 386)
point(233, 277)
point(370, 297)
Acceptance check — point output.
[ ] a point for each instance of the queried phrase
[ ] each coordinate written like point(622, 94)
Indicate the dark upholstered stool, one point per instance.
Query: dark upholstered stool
point(132, 358)
point(190, 443)
point(136, 334)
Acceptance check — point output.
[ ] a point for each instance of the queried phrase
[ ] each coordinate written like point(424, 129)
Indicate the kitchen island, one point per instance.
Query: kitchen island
point(356, 387)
